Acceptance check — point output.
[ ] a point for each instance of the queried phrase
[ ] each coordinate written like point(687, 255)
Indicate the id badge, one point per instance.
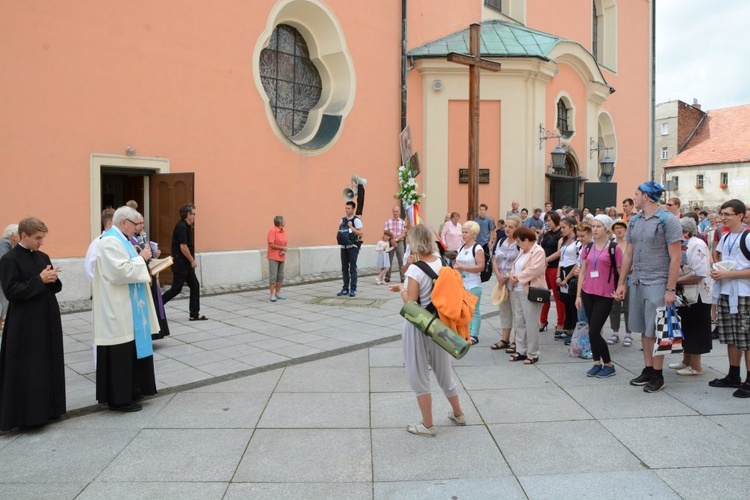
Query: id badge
point(594, 274)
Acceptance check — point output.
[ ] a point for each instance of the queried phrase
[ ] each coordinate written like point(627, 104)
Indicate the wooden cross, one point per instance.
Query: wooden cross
point(475, 63)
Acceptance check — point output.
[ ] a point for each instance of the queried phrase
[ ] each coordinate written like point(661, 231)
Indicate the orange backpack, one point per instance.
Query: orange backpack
point(452, 302)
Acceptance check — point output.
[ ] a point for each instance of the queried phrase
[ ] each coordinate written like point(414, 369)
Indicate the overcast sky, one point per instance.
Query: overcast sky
point(703, 52)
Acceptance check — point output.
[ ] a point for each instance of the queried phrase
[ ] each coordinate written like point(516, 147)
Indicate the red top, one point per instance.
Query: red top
point(277, 236)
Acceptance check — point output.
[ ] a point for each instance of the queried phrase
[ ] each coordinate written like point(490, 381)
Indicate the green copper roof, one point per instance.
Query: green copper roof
point(499, 39)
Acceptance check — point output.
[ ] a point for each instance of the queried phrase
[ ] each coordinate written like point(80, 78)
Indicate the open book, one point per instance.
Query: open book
point(158, 265)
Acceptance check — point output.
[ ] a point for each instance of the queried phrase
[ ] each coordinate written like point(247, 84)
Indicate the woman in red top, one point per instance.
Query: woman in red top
point(276, 257)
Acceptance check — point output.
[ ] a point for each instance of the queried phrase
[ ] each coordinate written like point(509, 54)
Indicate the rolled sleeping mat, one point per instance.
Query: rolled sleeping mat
point(429, 324)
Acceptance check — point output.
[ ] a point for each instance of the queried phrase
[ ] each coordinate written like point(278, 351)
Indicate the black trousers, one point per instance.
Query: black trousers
point(349, 267)
point(183, 273)
point(120, 376)
point(597, 310)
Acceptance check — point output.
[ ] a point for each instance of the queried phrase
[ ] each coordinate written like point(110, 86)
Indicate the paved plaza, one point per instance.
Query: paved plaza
point(307, 398)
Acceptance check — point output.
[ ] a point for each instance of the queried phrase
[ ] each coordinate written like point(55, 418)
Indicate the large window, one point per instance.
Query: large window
point(664, 153)
point(290, 79)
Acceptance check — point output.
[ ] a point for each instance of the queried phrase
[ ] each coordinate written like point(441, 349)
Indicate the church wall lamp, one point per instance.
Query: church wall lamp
point(606, 164)
point(559, 156)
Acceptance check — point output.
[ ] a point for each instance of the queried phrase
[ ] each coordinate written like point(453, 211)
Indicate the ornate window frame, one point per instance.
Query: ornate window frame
point(329, 53)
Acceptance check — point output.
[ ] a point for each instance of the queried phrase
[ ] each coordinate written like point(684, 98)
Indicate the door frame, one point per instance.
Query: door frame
point(97, 161)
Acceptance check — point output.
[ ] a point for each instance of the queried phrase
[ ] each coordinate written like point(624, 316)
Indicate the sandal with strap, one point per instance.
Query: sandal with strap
point(473, 340)
point(503, 344)
point(613, 339)
point(511, 348)
point(517, 357)
point(530, 361)
point(627, 342)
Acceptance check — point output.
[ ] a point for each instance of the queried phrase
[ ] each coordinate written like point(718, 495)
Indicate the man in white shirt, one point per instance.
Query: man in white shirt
point(90, 261)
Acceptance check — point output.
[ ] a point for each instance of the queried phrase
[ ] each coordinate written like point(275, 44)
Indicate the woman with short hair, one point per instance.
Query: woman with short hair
point(276, 254)
point(470, 263)
point(528, 271)
point(421, 353)
point(550, 244)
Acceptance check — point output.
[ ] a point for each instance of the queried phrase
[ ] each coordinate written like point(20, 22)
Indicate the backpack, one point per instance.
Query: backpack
point(453, 304)
point(486, 273)
point(663, 215)
point(743, 243)
point(612, 260)
point(344, 237)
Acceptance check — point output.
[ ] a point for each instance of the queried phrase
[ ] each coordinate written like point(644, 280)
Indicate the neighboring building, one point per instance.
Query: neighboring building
point(675, 123)
point(714, 165)
point(257, 109)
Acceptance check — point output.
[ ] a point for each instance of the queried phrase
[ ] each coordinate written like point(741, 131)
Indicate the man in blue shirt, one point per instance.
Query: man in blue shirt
point(486, 236)
point(535, 222)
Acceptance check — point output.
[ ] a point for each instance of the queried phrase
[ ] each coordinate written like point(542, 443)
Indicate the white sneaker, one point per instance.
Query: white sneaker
point(457, 419)
point(420, 430)
point(677, 366)
point(688, 371)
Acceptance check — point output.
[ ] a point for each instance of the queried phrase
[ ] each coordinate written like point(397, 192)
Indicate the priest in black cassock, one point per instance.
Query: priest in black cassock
point(32, 369)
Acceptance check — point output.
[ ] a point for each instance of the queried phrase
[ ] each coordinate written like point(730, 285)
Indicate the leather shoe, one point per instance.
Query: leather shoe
point(127, 407)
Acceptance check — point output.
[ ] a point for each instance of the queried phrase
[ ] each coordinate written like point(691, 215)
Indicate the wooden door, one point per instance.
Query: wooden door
point(168, 193)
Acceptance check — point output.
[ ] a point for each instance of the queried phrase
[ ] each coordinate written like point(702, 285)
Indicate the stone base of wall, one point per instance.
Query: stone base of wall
point(227, 268)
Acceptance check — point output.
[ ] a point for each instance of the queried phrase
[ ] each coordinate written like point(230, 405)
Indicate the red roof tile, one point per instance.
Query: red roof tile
point(723, 137)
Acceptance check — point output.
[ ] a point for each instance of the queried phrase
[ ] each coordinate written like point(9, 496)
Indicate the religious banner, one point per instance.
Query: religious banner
point(404, 140)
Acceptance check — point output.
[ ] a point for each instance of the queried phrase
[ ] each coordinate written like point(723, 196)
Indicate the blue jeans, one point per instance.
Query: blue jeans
point(349, 267)
point(476, 320)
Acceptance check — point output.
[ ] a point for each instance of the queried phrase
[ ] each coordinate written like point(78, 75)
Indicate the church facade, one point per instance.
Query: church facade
point(257, 109)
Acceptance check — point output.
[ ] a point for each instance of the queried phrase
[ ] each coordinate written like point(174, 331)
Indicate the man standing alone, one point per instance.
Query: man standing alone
point(183, 270)
point(654, 240)
point(397, 226)
point(124, 316)
point(349, 239)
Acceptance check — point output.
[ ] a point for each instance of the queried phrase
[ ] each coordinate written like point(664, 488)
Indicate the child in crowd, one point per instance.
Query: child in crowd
point(383, 260)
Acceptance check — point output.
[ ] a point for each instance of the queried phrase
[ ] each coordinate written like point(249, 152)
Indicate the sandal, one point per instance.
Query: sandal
point(613, 339)
point(198, 318)
point(473, 340)
point(503, 344)
point(517, 357)
point(627, 342)
point(530, 361)
point(511, 348)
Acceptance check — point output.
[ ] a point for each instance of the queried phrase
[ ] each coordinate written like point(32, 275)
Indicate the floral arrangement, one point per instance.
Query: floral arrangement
point(407, 187)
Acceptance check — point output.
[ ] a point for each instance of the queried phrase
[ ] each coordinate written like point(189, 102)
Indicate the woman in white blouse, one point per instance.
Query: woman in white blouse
point(506, 253)
point(470, 262)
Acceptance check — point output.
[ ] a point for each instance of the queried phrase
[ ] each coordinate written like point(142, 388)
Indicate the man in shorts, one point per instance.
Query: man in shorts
point(654, 252)
point(732, 298)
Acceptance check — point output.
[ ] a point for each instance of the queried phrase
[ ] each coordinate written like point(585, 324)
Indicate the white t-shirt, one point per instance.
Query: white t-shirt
point(729, 248)
point(569, 254)
point(466, 257)
point(517, 268)
point(424, 281)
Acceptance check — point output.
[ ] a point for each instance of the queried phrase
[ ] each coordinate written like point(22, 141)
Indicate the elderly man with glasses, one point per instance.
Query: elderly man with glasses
point(124, 316)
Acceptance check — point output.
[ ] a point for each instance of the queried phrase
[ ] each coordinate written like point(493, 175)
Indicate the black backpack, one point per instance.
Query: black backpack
point(486, 273)
point(344, 237)
point(743, 243)
point(612, 260)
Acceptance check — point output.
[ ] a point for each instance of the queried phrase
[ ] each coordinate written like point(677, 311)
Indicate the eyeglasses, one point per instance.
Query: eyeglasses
point(136, 224)
point(724, 214)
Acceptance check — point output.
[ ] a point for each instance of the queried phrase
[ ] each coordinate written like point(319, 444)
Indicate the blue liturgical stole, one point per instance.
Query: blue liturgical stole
point(139, 303)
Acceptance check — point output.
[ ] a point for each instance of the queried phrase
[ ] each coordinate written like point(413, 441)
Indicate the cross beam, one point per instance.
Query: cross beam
point(475, 63)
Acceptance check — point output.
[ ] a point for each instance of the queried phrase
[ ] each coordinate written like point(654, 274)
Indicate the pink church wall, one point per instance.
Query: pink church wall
point(174, 79)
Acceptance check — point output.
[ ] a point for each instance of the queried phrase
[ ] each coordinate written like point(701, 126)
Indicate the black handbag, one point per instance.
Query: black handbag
point(540, 295)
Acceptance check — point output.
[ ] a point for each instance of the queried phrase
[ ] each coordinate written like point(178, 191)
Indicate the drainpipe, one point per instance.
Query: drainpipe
point(653, 88)
point(403, 66)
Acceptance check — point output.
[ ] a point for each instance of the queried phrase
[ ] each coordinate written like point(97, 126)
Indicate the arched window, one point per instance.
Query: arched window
point(290, 79)
point(562, 116)
point(604, 32)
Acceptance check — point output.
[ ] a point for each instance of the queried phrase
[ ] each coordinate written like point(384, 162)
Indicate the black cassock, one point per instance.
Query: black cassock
point(32, 369)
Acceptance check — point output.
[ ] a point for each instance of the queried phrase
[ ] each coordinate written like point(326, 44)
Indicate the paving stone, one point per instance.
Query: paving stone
point(611, 399)
point(126, 490)
point(476, 489)
point(276, 455)
point(398, 409)
point(455, 453)
point(179, 455)
point(727, 483)
point(700, 441)
point(210, 410)
point(504, 376)
point(706, 400)
point(52, 491)
point(634, 485)
point(300, 491)
point(317, 410)
point(527, 405)
point(263, 383)
point(386, 356)
point(388, 379)
point(346, 373)
point(579, 446)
